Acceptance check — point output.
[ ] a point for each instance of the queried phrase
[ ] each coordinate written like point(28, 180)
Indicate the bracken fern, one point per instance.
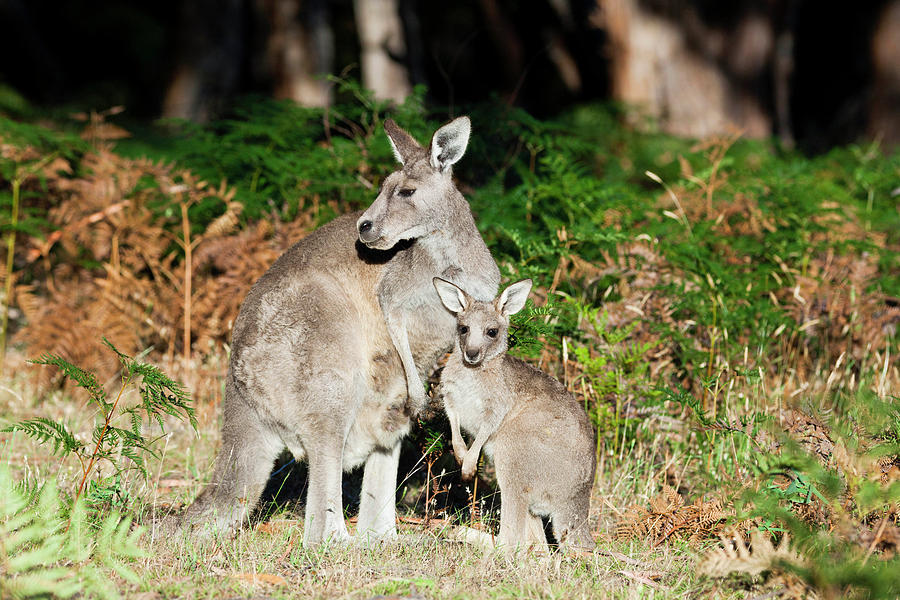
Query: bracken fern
point(159, 395)
point(43, 554)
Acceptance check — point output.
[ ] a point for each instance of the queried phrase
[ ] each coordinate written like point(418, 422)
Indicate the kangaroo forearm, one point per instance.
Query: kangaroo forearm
point(400, 338)
point(484, 433)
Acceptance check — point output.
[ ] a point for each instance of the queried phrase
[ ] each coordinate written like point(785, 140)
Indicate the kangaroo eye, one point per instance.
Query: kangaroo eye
point(462, 329)
point(406, 192)
point(492, 332)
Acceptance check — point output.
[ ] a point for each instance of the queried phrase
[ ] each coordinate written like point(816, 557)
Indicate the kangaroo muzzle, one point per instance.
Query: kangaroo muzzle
point(369, 234)
point(472, 356)
point(366, 231)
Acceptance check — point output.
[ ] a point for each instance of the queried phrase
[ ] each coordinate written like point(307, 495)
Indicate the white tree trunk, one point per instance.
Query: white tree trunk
point(884, 110)
point(297, 60)
point(383, 47)
point(680, 80)
point(182, 99)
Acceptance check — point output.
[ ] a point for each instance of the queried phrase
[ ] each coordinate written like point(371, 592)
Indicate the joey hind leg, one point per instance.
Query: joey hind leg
point(536, 538)
point(377, 503)
point(572, 529)
point(517, 527)
point(520, 529)
point(242, 468)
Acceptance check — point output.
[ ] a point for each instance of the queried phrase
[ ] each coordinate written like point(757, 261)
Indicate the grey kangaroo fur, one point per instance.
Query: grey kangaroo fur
point(330, 345)
point(536, 432)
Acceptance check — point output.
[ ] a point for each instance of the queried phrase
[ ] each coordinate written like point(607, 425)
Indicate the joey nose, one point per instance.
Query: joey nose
point(472, 355)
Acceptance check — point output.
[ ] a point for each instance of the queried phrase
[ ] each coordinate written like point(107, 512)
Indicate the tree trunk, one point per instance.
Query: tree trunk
point(300, 50)
point(211, 48)
point(698, 80)
point(884, 109)
point(383, 49)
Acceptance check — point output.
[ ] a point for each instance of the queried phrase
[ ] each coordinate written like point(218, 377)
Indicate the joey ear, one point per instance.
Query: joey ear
point(405, 146)
point(449, 143)
point(513, 298)
point(451, 295)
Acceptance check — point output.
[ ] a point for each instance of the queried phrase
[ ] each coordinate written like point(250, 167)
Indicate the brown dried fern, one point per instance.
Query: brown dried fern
point(760, 556)
point(142, 294)
point(668, 516)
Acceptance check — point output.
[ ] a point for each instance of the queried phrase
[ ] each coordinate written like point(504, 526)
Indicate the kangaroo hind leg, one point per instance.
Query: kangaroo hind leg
point(377, 503)
point(241, 471)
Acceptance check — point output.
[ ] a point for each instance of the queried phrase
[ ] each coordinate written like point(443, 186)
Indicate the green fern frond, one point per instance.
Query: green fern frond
point(123, 358)
point(84, 379)
point(160, 393)
point(47, 430)
point(41, 557)
point(136, 421)
point(136, 458)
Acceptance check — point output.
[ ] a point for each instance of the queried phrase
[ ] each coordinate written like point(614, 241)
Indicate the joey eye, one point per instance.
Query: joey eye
point(406, 192)
point(462, 329)
point(492, 332)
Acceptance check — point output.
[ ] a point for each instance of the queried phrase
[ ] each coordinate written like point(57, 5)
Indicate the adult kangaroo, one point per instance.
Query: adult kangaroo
point(331, 344)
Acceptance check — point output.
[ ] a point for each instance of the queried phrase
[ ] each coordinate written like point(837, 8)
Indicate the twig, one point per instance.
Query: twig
point(188, 250)
point(10, 254)
point(473, 510)
point(639, 578)
point(621, 557)
point(108, 419)
point(18, 179)
point(427, 490)
point(36, 253)
point(876, 540)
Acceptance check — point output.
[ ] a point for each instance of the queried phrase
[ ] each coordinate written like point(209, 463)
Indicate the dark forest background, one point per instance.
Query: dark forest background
point(813, 73)
point(705, 193)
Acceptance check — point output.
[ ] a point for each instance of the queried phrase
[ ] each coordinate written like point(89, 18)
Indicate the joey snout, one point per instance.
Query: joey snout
point(472, 356)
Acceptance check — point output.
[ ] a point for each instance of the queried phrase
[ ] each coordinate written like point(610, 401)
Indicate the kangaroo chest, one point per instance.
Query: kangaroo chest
point(431, 330)
point(468, 393)
point(406, 290)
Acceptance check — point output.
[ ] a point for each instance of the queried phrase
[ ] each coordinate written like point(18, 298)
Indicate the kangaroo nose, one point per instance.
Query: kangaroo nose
point(365, 226)
point(472, 354)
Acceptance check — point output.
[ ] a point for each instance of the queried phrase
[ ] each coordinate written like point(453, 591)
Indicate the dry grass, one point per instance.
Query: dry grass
point(267, 559)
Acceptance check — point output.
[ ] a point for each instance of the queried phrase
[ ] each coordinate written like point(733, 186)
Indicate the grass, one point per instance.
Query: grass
point(725, 310)
point(424, 562)
point(267, 559)
point(424, 566)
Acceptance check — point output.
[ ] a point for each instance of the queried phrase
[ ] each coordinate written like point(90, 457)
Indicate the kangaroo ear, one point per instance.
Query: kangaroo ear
point(449, 143)
point(451, 295)
point(405, 147)
point(513, 298)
